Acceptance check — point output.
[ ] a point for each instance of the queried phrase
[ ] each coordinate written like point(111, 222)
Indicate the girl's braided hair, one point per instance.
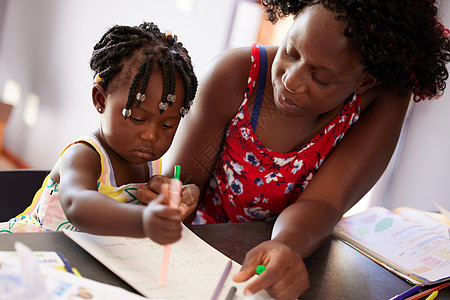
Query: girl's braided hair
point(146, 45)
point(401, 42)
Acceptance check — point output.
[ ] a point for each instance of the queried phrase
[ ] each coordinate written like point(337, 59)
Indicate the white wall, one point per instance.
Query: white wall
point(46, 46)
point(421, 172)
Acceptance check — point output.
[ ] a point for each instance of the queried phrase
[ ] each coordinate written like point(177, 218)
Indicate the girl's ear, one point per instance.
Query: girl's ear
point(99, 97)
point(367, 82)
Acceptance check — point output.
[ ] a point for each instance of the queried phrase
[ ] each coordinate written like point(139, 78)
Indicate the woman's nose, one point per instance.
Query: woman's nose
point(293, 81)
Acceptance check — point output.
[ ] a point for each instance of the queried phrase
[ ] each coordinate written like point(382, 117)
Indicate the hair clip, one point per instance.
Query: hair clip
point(97, 79)
point(168, 33)
point(171, 98)
point(163, 106)
point(126, 113)
point(139, 97)
point(184, 111)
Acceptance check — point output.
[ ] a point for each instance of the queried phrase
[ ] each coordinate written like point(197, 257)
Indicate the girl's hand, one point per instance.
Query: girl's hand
point(161, 221)
point(190, 194)
point(285, 276)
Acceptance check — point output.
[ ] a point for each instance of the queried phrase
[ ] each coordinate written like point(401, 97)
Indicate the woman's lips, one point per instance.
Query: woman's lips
point(286, 104)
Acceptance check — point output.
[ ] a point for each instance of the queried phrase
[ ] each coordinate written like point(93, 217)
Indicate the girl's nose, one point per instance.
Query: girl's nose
point(149, 134)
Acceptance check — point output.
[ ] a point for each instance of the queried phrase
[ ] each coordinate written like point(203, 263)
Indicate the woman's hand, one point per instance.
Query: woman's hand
point(152, 189)
point(285, 276)
point(189, 194)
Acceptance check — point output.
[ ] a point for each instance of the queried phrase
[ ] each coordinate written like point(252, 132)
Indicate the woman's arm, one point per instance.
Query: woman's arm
point(199, 137)
point(348, 173)
point(346, 176)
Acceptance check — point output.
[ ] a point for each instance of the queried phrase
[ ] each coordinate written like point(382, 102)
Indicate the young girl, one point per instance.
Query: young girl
point(303, 137)
point(144, 83)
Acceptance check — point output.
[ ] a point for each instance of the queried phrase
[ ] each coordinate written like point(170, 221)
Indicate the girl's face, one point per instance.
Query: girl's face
point(146, 134)
point(316, 67)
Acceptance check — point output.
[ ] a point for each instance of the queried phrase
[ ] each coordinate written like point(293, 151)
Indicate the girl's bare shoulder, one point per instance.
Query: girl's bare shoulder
point(78, 157)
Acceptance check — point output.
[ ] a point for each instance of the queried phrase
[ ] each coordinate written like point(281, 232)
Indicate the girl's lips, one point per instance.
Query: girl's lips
point(144, 153)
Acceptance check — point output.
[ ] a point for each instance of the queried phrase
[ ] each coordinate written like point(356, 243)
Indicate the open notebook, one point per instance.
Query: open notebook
point(194, 270)
point(407, 242)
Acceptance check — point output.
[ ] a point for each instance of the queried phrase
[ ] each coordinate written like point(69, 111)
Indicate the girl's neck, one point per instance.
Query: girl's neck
point(124, 172)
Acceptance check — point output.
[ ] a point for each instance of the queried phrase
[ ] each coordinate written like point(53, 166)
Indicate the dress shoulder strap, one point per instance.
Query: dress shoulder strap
point(107, 173)
point(261, 86)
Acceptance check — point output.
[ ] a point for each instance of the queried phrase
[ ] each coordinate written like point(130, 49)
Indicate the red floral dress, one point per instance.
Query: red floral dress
point(253, 183)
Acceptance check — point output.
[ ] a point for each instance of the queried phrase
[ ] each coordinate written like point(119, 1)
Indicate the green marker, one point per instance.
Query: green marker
point(177, 172)
point(260, 269)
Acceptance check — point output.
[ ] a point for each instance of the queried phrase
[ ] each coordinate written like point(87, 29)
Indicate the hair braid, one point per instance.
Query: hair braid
point(134, 85)
point(145, 78)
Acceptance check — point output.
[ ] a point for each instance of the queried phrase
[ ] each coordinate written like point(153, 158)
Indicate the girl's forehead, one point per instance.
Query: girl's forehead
point(155, 91)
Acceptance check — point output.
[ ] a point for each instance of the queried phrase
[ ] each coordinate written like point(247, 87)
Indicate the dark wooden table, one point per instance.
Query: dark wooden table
point(336, 271)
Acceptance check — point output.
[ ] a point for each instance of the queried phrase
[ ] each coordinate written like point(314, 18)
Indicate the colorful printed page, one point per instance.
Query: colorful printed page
point(195, 267)
point(419, 249)
point(36, 275)
point(47, 258)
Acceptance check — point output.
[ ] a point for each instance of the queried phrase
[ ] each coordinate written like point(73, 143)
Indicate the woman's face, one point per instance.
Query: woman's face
point(316, 67)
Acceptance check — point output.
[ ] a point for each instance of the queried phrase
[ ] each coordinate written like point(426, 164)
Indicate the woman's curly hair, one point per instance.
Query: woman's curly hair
point(401, 42)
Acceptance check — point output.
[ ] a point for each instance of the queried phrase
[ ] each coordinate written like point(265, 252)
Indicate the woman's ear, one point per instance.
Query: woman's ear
point(99, 97)
point(367, 82)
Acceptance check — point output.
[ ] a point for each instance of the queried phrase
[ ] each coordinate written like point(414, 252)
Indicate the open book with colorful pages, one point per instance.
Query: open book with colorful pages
point(195, 268)
point(406, 241)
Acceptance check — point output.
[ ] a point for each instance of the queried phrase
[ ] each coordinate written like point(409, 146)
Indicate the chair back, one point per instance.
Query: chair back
point(5, 112)
point(17, 189)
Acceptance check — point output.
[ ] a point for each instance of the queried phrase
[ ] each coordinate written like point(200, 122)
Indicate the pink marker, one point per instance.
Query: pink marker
point(174, 199)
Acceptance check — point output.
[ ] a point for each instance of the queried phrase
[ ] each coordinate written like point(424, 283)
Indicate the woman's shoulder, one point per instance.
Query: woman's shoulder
point(235, 63)
point(385, 98)
point(222, 86)
point(230, 68)
point(225, 79)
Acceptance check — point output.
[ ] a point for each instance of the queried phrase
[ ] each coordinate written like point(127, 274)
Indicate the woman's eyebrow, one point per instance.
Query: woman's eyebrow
point(314, 65)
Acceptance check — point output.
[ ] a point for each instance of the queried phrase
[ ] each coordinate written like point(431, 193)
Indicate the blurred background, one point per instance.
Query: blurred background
point(45, 80)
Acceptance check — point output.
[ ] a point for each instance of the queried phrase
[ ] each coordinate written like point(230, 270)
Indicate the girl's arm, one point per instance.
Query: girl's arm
point(79, 169)
point(349, 172)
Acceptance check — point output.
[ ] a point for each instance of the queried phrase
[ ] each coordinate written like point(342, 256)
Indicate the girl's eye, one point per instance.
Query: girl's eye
point(166, 126)
point(136, 120)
